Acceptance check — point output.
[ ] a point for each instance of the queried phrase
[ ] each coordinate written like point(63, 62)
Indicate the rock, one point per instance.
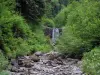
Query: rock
point(34, 58)
point(26, 57)
point(33, 72)
point(48, 70)
point(14, 69)
point(71, 61)
point(12, 73)
point(25, 62)
point(52, 55)
point(47, 64)
point(20, 62)
point(44, 61)
point(19, 74)
point(37, 67)
point(14, 63)
point(76, 71)
point(59, 61)
point(28, 64)
point(79, 64)
point(21, 69)
point(39, 53)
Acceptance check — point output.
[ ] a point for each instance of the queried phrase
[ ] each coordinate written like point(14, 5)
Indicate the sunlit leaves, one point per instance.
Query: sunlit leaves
point(91, 62)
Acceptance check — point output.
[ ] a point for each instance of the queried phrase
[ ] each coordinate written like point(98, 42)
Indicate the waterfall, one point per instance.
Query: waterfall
point(55, 35)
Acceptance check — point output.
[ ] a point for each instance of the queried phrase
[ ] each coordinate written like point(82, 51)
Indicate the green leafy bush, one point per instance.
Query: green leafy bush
point(41, 44)
point(91, 62)
point(60, 19)
point(15, 34)
point(72, 46)
point(4, 73)
point(47, 22)
point(3, 62)
point(82, 29)
point(9, 4)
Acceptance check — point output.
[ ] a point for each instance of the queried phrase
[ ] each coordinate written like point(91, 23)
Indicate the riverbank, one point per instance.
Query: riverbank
point(45, 64)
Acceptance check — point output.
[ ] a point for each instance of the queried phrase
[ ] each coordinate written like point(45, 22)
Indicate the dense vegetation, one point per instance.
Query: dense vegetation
point(81, 27)
point(17, 36)
point(91, 62)
point(30, 9)
point(22, 23)
point(81, 33)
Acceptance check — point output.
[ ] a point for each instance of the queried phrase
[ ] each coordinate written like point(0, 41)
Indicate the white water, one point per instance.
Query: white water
point(55, 35)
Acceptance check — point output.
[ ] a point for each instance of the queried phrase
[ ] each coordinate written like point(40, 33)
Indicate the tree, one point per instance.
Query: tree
point(82, 28)
point(31, 9)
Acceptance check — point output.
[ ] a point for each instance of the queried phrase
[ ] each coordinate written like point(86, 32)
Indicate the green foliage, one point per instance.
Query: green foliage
point(91, 62)
point(60, 19)
point(72, 46)
point(4, 73)
point(47, 22)
point(31, 9)
point(3, 62)
point(88, 0)
point(15, 33)
point(54, 1)
point(48, 9)
point(52, 7)
point(41, 44)
point(71, 1)
point(82, 29)
point(17, 37)
point(10, 4)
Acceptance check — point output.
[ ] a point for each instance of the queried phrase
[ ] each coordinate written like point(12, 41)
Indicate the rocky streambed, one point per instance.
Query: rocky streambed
point(45, 64)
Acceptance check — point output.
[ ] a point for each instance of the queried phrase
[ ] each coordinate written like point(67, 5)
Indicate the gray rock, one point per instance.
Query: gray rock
point(34, 58)
point(21, 69)
point(39, 53)
point(76, 71)
point(47, 64)
point(32, 72)
point(52, 55)
point(14, 69)
point(14, 63)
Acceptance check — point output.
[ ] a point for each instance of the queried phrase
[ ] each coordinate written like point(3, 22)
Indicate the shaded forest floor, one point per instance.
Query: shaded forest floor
point(45, 64)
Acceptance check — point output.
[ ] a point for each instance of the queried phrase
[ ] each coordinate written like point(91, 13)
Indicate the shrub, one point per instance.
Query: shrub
point(72, 46)
point(47, 22)
point(15, 34)
point(60, 19)
point(9, 4)
point(41, 44)
point(17, 37)
point(82, 29)
point(4, 73)
point(91, 62)
point(3, 62)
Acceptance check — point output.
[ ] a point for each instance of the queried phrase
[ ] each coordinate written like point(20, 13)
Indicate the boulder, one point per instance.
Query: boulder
point(27, 63)
point(14, 69)
point(52, 55)
point(39, 53)
point(34, 58)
